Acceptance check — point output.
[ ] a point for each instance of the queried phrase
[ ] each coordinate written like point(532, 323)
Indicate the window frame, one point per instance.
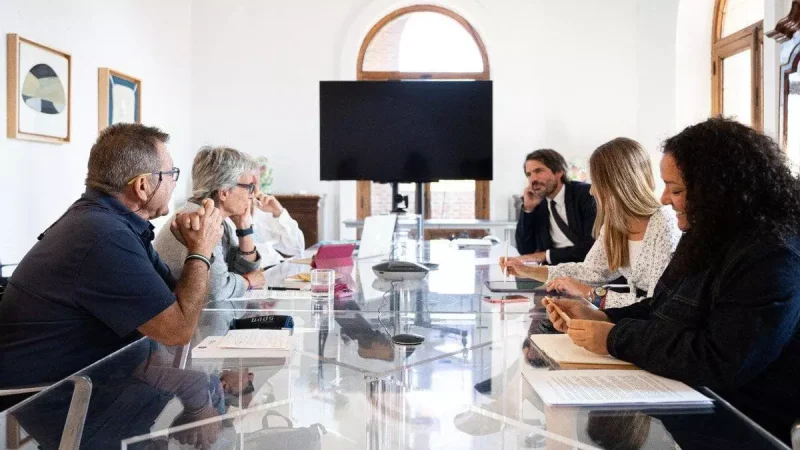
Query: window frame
point(749, 38)
point(364, 188)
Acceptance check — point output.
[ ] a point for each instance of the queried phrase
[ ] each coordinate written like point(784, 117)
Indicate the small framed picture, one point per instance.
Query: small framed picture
point(119, 98)
point(39, 91)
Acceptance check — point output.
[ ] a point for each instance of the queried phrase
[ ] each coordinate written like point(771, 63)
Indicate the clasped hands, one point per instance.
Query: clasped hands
point(199, 230)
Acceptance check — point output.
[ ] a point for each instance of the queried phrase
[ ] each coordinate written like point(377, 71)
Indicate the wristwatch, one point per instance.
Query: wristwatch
point(600, 293)
point(245, 232)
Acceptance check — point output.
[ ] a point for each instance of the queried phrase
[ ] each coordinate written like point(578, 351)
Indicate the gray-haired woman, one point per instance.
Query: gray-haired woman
point(229, 178)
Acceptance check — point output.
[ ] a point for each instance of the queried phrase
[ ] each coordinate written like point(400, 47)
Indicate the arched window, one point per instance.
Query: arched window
point(736, 70)
point(425, 43)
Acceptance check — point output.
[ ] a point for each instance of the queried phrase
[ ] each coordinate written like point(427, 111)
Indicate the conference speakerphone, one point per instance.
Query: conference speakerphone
point(400, 270)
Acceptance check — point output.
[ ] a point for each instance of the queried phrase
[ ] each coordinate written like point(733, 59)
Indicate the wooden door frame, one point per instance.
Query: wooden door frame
point(364, 188)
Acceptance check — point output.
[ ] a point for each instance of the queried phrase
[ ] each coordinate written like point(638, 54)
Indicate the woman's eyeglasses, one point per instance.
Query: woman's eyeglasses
point(250, 187)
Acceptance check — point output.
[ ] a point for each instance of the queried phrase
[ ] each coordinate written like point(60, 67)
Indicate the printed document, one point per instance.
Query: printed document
point(612, 388)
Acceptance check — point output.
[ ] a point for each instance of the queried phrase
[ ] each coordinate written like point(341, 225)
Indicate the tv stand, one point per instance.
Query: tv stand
point(397, 199)
point(419, 205)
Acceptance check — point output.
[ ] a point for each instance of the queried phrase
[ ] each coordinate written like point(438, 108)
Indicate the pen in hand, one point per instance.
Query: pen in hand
point(505, 265)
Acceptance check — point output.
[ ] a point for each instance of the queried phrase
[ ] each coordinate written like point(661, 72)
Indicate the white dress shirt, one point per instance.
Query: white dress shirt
point(276, 234)
point(557, 237)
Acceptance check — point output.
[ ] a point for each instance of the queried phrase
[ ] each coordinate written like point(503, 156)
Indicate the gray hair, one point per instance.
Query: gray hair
point(217, 169)
point(122, 152)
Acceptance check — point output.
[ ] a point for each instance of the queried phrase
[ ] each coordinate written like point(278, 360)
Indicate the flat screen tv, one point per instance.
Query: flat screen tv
point(405, 131)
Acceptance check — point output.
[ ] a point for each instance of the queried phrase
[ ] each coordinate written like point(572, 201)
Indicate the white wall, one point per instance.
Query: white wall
point(256, 67)
point(569, 75)
point(145, 38)
point(655, 62)
point(693, 61)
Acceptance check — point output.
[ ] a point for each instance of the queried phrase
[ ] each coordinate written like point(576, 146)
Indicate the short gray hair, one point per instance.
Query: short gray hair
point(218, 168)
point(122, 152)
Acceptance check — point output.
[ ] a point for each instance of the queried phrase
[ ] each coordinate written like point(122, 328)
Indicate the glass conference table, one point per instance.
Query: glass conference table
point(345, 385)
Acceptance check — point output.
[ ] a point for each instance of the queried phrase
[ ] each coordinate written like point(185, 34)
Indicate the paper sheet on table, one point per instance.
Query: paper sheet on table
point(256, 338)
point(612, 388)
point(561, 349)
point(209, 348)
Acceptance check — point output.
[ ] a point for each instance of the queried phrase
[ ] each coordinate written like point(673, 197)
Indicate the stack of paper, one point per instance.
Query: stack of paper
point(612, 388)
point(252, 343)
point(564, 352)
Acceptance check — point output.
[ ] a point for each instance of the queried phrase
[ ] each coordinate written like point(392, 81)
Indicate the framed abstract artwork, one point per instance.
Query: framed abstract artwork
point(39, 91)
point(119, 98)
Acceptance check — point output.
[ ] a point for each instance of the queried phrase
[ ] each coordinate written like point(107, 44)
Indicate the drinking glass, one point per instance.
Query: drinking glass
point(322, 284)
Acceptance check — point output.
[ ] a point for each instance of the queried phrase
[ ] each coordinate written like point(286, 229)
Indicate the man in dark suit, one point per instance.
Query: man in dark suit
point(555, 224)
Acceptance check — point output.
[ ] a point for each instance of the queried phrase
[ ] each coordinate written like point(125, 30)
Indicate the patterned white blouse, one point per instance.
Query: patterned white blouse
point(660, 239)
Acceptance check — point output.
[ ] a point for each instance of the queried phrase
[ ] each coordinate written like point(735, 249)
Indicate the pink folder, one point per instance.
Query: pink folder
point(333, 255)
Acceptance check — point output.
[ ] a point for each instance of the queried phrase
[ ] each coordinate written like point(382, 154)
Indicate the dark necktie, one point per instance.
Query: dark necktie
point(561, 224)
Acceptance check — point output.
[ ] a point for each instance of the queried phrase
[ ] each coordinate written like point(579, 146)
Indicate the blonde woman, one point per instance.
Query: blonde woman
point(635, 235)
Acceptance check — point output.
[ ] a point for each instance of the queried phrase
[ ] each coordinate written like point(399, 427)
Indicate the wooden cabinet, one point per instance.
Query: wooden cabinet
point(307, 211)
point(786, 33)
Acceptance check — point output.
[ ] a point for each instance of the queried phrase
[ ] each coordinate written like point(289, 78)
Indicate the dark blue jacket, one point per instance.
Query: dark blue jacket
point(533, 228)
point(733, 328)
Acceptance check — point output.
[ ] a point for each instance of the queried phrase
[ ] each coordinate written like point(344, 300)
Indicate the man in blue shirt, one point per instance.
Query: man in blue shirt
point(93, 283)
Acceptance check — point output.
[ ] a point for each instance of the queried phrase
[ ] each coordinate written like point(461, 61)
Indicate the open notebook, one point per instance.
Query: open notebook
point(561, 349)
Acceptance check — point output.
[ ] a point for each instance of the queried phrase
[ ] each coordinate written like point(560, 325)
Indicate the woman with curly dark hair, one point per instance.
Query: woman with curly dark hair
point(725, 313)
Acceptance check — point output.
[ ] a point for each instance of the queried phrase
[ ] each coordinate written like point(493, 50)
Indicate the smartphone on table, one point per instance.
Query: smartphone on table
point(509, 298)
point(519, 285)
